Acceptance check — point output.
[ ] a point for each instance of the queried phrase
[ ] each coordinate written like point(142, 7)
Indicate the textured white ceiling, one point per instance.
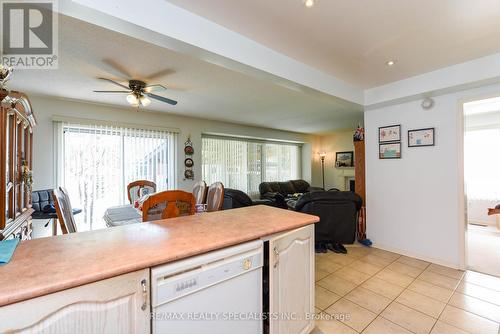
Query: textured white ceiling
point(202, 89)
point(352, 39)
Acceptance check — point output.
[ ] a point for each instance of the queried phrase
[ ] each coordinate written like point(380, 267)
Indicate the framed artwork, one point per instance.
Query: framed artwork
point(344, 159)
point(421, 137)
point(390, 151)
point(389, 133)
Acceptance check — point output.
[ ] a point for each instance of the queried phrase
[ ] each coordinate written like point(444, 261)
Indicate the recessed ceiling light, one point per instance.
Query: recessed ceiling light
point(308, 3)
point(390, 63)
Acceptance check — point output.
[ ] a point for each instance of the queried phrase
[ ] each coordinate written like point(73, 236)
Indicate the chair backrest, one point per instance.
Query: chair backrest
point(215, 197)
point(200, 192)
point(337, 212)
point(64, 210)
point(41, 198)
point(168, 204)
point(133, 189)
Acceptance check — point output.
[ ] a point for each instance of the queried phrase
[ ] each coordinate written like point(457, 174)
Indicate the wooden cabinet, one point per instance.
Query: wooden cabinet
point(16, 161)
point(359, 169)
point(291, 282)
point(117, 305)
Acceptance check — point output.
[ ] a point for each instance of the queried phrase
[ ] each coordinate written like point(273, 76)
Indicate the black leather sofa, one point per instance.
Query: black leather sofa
point(338, 214)
point(279, 192)
point(238, 199)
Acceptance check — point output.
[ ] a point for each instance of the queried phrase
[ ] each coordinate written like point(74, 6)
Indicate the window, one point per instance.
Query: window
point(481, 164)
point(244, 163)
point(97, 162)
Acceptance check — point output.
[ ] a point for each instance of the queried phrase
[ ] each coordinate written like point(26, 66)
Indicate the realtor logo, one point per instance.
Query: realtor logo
point(29, 34)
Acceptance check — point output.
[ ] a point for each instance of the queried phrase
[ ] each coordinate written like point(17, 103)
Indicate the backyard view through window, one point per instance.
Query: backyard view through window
point(243, 164)
point(99, 161)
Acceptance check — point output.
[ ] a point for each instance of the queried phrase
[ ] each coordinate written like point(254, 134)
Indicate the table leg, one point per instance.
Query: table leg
point(54, 226)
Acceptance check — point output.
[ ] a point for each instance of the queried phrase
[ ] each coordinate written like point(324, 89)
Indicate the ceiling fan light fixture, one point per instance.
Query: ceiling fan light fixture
point(391, 62)
point(144, 101)
point(308, 3)
point(132, 99)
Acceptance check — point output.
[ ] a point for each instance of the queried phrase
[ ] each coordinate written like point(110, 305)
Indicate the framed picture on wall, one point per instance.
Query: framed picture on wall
point(344, 159)
point(421, 137)
point(390, 151)
point(389, 133)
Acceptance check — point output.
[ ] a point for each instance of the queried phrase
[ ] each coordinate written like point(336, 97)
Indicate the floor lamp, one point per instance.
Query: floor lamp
point(322, 156)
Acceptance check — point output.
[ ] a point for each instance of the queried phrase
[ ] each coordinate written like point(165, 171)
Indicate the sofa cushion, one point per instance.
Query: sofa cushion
point(286, 188)
point(300, 186)
point(269, 187)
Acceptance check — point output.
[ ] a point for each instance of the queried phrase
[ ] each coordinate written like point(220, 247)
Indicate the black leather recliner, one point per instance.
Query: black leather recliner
point(238, 199)
point(338, 214)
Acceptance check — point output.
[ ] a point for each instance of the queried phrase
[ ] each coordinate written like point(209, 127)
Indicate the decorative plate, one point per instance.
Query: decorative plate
point(188, 150)
point(188, 162)
point(188, 174)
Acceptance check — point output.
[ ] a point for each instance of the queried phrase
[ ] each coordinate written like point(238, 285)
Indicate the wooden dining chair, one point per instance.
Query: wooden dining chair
point(134, 188)
point(215, 197)
point(200, 192)
point(168, 204)
point(64, 210)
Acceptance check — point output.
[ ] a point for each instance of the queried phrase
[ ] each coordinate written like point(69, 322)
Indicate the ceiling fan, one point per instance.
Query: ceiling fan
point(138, 92)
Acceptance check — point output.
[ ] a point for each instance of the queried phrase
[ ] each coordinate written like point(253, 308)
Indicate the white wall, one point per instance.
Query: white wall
point(45, 108)
point(414, 204)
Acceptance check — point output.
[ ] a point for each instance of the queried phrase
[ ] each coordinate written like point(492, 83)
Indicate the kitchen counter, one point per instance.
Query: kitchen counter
point(47, 265)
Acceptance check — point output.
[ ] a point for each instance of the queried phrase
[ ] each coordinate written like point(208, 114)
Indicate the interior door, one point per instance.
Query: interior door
point(291, 282)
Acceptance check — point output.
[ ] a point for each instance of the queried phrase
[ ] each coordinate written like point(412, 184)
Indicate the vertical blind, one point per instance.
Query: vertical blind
point(243, 164)
point(98, 161)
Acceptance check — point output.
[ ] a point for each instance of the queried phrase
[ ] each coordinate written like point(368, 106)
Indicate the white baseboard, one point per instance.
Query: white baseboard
point(417, 256)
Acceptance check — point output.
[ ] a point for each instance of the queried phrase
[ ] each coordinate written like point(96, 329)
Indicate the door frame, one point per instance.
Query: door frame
point(462, 191)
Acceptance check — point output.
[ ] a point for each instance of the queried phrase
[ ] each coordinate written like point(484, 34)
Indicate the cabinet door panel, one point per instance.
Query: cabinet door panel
point(291, 277)
point(114, 305)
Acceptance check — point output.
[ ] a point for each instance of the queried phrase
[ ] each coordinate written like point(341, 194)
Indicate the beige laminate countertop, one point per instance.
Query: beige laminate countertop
point(47, 265)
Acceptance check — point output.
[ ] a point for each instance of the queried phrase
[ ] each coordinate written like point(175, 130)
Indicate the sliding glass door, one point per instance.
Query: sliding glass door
point(244, 163)
point(99, 161)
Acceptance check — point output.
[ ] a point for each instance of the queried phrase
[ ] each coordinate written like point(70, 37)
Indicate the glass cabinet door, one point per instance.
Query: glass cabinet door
point(6, 148)
point(10, 158)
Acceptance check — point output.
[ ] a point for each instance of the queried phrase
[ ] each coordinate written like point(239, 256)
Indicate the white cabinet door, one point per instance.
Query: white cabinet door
point(291, 282)
point(116, 305)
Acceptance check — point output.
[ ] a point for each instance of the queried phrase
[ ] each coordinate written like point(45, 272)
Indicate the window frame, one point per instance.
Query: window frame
point(263, 142)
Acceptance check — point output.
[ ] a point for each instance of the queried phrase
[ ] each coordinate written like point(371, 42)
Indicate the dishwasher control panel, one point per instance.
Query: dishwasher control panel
point(181, 286)
point(189, 279)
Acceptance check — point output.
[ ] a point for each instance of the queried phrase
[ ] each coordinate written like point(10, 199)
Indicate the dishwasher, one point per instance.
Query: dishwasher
point(217, 292)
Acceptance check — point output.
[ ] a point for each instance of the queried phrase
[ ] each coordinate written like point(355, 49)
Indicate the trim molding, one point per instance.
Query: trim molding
point(417, 256)
point(88, 121)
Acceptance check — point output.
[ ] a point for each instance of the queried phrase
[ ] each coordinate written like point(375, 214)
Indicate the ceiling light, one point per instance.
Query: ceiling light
point(144, 101)
point(390, 63)
point(308, 3)
point(132, 99)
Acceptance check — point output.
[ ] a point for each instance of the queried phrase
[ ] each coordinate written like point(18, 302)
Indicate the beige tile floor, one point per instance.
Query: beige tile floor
point(482, 248)
point(378, 292)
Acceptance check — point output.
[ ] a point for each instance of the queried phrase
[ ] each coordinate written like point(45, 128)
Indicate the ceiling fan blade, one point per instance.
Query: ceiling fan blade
point(161, 73)
point(152, 88)
point(162, 99)
point(117, 68)
point(112, 91)
point(114, 82)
